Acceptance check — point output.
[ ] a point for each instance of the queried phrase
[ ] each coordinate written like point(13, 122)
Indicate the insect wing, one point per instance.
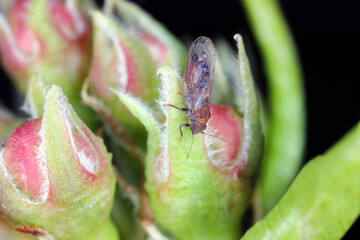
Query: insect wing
point(198, 75)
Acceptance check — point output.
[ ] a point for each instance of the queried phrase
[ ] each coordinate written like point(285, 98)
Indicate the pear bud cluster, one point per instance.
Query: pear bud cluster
point(79, 66)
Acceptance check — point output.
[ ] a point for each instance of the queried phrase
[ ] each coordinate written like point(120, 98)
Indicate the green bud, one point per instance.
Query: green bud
point(55, 170)
point(200, 196)
point(204, 195)
point(121, 62)
point(49, 37)
point(163, 47)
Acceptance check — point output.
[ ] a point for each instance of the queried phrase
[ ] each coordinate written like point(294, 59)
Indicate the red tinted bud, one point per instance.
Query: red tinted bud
point(224, 123)
point(21, 157)
point(48, 36)
point(67, 19)
point(55, 169)
point(25, 37)
point(158, 51)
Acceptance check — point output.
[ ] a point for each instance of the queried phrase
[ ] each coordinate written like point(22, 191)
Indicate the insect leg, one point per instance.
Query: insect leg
point(183, 125)
point(213, 136)
point(181, 109)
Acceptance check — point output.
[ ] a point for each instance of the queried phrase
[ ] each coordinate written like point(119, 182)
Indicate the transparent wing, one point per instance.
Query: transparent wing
point(199, 71)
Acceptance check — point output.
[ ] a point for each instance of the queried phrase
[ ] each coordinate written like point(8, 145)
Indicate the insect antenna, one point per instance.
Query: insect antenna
point(192, 141)
point(213, 136)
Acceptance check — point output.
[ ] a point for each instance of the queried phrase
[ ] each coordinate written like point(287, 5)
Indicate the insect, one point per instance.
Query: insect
point(196, 87)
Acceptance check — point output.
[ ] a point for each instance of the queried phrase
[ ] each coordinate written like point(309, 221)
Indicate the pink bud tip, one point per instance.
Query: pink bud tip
point(104, 74)
point(26, 39)
point(157, 50)
point(68, 20)
point(225, 123)
point(21, 157)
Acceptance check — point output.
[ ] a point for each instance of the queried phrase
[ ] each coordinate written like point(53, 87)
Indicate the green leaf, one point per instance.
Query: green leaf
point(284, 141)
point(324, 199)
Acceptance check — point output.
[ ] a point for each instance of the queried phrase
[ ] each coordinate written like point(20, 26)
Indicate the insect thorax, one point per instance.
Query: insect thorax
point(198, 119)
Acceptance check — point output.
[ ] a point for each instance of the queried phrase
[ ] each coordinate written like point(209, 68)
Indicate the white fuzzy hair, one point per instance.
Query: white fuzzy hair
point(162, 160)
point(243, 87)
point(90, 164)
point(211, 146)
point(28, 105)
point(121, 66)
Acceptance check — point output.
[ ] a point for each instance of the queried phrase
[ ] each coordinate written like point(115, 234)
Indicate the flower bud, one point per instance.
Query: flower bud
point(202, 194)
point(162, 46)
point(47, 36)
point(119, 62)
point(55, 170)
point(51, 37)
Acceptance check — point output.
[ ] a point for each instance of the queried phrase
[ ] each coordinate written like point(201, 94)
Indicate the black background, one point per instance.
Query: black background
point(327, 38)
